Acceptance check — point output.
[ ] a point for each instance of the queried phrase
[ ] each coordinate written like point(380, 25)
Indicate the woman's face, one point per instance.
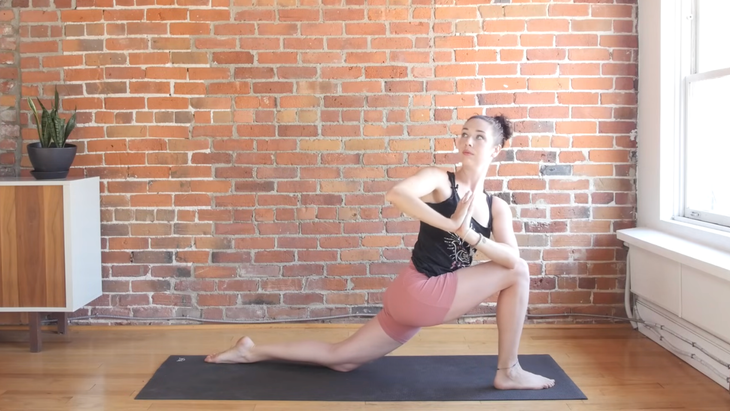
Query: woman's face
point(476, 144)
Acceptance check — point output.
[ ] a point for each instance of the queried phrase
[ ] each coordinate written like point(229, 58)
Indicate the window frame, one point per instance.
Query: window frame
point(688, 75)
point(658, 133)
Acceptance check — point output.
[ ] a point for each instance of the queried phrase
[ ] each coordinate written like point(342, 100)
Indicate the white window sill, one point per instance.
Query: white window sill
point(691, 254)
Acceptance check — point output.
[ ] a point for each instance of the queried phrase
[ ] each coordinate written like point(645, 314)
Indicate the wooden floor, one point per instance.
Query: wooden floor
point(103, 368)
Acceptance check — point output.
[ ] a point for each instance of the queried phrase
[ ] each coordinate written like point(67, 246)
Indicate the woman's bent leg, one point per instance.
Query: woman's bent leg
point(475, 284)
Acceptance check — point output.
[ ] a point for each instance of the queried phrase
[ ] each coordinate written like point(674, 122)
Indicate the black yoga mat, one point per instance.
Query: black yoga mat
point(391, 378)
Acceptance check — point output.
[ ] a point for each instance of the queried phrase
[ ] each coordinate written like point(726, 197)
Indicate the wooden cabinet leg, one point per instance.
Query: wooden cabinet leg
point(36, 343)
point(61, 322)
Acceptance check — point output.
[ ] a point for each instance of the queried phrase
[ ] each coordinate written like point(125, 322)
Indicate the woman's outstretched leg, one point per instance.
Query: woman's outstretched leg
point(368, 343)
point(475, 284)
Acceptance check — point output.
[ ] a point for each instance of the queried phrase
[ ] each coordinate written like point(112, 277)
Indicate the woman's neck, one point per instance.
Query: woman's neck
point(472, 178)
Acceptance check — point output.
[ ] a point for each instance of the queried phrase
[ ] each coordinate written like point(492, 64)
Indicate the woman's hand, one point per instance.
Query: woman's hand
point(465, 226)
point(463, 214)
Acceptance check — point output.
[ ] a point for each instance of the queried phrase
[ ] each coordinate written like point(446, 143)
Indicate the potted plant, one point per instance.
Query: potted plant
point(51, 157)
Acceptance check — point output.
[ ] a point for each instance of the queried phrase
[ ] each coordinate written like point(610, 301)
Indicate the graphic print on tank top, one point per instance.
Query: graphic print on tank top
point(461, 252)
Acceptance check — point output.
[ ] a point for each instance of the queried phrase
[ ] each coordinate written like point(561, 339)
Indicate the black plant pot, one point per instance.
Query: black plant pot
point(51, 162)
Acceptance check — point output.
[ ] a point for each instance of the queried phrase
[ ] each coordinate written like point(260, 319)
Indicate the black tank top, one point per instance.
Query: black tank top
point(437, 251)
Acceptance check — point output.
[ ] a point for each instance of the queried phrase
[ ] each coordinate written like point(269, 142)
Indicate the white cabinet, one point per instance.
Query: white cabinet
point(50, 246)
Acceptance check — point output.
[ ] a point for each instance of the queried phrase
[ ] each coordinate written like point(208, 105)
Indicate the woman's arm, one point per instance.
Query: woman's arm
point(406, 196)
point(503, 250)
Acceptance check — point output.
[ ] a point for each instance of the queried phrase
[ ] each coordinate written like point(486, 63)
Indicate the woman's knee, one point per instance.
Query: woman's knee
point(521, 272)
point(347, 367)
point(341, 358)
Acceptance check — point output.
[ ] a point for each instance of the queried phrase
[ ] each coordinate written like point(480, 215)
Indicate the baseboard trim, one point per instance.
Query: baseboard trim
point(651, 313)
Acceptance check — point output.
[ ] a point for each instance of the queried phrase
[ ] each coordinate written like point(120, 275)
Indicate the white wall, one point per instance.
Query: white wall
point(659, 123)
point(680, 272)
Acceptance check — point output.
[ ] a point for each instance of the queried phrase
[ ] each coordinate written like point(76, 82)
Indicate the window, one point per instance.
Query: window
point(706, 146)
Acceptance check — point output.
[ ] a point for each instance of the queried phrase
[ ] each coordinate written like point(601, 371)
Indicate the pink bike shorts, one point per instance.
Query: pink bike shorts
point(414, 300)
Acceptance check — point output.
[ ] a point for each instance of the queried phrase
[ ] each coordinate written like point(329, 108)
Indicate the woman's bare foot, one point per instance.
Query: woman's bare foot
point(238, 354)
point(516, 378)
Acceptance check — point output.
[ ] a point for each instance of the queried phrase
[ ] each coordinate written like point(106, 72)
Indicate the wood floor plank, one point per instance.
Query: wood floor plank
point(107, 402)
point(201, 405)
point(14, 385)
point(32, 402)
point(95, 368)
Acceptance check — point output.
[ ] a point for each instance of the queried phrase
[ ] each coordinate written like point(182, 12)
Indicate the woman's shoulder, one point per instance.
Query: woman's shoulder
point(435, 171)
point(496, 199)
point(499, 206)
point(441, 176)
point(441, 183)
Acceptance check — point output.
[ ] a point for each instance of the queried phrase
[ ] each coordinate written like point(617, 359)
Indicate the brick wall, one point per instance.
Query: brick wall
point(9, 89)
point(244, 151)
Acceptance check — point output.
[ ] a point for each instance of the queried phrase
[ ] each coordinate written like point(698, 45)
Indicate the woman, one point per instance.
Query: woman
point(439, 285)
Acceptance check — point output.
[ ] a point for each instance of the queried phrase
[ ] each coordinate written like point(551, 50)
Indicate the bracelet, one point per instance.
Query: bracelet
point(507, 368)
point(478, 240)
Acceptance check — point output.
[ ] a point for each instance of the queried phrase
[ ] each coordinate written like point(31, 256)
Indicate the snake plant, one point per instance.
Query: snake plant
point(53, 131)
